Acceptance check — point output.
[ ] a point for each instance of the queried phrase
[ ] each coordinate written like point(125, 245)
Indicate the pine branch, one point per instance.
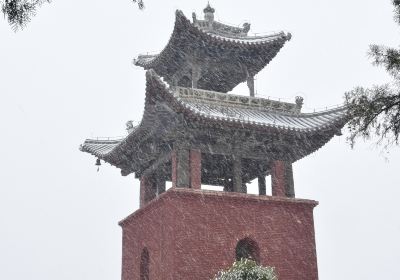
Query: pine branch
point(20, 12)
point(396, 4)
point(374, 111)
point(140, 3)
point(386, 57)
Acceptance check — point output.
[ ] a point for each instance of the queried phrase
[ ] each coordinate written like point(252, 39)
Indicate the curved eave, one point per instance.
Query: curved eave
point(122, 153)
point(253, 52)
point(254, 118)
point(99, 148)
point(310, 139)
point(119, 153)
point(108, 150)
point(183, 26)
point(333, 119)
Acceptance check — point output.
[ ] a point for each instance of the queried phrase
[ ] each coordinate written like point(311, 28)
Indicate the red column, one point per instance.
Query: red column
point(278, 178)
point(147, 190)
point(237, 174)
point(195, 169)
point(282, 179)
point(143, 187)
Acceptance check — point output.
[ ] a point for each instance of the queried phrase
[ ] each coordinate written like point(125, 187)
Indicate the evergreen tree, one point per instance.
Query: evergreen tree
point(246, 269)
point(376, 111)
point(20, 12)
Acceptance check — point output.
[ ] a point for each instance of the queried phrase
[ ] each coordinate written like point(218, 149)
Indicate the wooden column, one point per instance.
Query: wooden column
point(186, 168)
point(237, 174)
point(196, 75)
point(244, 188)
point(148, 190)
point(289, 180)
point(195, 169)
point(160, 184)
point(282, 179)
point(173, 165)
point(250, 84)
point(262, 190)
point(180, 168)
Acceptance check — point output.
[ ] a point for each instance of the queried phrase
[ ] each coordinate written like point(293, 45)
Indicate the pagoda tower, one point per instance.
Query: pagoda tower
point(193, 133)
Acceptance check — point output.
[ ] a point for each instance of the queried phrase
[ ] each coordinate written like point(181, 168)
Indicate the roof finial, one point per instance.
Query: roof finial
point(208, 9)
point(299, 102)
point(209, 13)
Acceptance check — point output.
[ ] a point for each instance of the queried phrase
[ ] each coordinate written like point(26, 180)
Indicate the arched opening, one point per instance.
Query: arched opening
point(247, 248)
point(144, 264)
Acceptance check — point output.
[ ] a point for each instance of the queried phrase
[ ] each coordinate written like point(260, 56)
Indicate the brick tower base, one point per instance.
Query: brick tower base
point(192, 234)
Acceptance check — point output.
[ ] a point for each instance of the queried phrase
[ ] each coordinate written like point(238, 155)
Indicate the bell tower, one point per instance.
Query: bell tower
point(194, 133)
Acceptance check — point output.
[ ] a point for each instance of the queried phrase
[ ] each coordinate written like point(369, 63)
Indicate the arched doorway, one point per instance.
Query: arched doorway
point(247, 248)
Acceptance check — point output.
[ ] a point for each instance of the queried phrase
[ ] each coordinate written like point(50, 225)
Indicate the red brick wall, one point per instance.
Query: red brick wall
point(192, 234)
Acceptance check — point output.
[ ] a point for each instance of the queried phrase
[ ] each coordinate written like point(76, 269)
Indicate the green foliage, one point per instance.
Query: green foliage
point(376, 111)
point(20, 12)
point(396, 4)
point(140, 3)
point(246, 269)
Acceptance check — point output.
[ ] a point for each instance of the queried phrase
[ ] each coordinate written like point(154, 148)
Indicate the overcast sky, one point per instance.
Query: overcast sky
point(69, 76)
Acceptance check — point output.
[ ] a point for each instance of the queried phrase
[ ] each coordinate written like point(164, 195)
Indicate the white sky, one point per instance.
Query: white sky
point(68, 76)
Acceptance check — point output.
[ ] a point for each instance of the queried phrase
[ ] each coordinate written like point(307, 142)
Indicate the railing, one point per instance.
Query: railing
point(243, 100)
point(326, 108)
point(106, 138)
point(267, 102)
point(264, 33)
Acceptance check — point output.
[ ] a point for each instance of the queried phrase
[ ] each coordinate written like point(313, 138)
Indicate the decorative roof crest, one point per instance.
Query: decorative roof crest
point(208, 9)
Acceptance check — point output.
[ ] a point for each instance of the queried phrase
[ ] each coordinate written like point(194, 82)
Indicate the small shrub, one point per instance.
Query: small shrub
point(246, 269)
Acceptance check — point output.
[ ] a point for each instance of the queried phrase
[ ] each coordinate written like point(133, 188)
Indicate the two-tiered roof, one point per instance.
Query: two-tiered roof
point(193, 132)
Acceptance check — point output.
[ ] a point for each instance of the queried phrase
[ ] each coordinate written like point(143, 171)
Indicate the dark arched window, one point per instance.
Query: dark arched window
point(247, 248)
point(144, 264)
